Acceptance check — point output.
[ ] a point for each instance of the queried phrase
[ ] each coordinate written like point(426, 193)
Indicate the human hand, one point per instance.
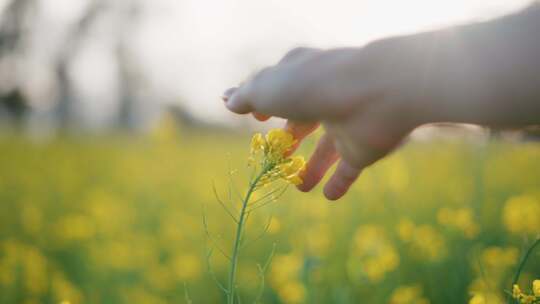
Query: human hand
point(368, 99)
point(364, 116)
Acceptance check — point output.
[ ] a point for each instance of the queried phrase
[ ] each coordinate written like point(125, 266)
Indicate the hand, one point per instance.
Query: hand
point(340, 89)
point(369, 99)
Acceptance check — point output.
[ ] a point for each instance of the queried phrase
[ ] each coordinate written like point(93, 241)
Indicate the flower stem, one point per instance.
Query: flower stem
point(237, 239)
point(521, 266)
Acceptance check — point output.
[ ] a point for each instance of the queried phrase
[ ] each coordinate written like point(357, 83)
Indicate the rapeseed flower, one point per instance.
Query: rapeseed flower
point(408, 295)
point(521, 215)
point(524, 298)
point(461, 219)
point(271, 161)
point(273, 150)
point(372, 254)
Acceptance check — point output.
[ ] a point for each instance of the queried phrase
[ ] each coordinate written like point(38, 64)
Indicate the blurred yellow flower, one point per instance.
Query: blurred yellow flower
point(405, 229)
point(486, 298)
point(285, 268)
point(75, 228)
point(64, 290)
point(285, 276)
point(35, 269)
point(186, 267)
point(408, 295)
point(521, 214)
point(292, 292)
point(424, 240)
point(372, 254)
point(497, 257)
point(31, 219)
point(461, 219)
point(536, 288)
point(492, 268)
point(429, 242)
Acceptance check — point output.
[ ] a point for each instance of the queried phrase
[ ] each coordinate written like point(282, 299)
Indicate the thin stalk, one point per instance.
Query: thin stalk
point(521, 266)
point(239, 230)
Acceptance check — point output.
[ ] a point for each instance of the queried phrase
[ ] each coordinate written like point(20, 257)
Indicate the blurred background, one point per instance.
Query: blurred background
point(112, 133)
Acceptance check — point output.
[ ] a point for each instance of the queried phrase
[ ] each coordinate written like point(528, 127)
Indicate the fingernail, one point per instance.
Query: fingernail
point(228, 93)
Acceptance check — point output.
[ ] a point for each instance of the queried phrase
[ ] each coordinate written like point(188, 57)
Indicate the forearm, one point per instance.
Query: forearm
point(485, 73)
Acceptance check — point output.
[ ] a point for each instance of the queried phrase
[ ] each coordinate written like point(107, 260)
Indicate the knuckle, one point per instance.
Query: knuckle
point(298, 51)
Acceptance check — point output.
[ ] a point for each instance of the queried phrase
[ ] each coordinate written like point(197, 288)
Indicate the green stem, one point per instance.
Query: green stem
point(237, 239)
point(522, 265)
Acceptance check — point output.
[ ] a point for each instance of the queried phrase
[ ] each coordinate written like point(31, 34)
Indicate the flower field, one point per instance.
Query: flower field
point(120, 220)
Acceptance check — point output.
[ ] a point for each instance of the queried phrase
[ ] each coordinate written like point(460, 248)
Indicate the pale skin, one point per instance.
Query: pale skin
point(370, 98)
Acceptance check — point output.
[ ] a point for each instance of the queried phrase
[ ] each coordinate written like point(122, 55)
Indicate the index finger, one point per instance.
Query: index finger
point(227, 95)
point(236, 107)
point(299, 131)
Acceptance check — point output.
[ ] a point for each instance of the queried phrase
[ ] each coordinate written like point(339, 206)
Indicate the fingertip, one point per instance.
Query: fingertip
point(228, 93)
point(310, 179)
point(332, 196)
point(332, 193)
point(236, 104)
point(320, 161)
point(305, 187)
point(340, 182)
point(302, 188)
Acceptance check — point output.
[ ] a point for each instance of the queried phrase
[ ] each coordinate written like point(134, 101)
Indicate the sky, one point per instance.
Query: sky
point(190, 51)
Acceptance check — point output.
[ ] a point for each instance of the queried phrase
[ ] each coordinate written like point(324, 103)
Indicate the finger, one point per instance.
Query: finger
point(228, 93)
point(340, 182)
point(255, 89)
point(299, 131)
point(240, 100)
point(260, 117)
point(323, 158)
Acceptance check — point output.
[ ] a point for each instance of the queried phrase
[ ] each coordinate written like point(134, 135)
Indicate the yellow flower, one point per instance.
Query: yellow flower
point(408, 295)
point(536, 288)
point(279, 142)
point(257, 143)
point(521, 214)
point(372, 254)
point(428, 243)
point(292, 292)
point(405, 229)
point(486, 298)
point(526, 298)
point(290, 170)
point(516, 291)
point(461, 219)
point(477, 299)
point(275, 146)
